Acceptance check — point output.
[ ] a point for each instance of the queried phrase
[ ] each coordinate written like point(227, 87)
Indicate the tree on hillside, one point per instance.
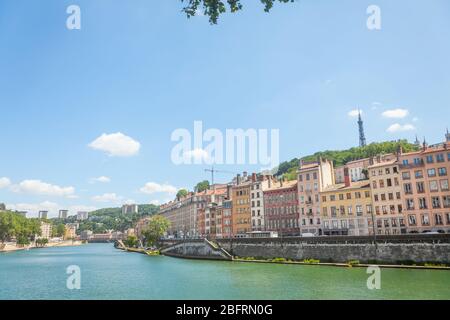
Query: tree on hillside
point(182, 193)
point(214, 8)
point(202, 186)
point(156, 228)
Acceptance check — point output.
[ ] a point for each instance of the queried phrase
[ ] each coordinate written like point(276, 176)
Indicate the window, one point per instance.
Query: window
point(405, 162)
point(448, 156)
point(420, 187)
point(381, 182)
point(406, 175)
point(444, 185)
point(438, 219)
point(407, 187)
point(388, 171)
point(375, 197)
point(418, 161)
point(300, 177)
point(418, 174)
point(350, 210)
point(315, 175)
point(425, 220)
point(410, 204)
point(359, 210)
point(446, 201)
point(342, 210)
point(367, 194)
point(383, 197)
point(325, 211)
point(374, 184)
point(333, 211)
point(341, 196)
point(389, 182)
point(440, 158)
point(369, 208)
point(431, 172)
point(430, 159)
point(422, 203)
point(433, 186)
point(358, 195)
point(442, 171)
point(332, 197)
point(436, 202)
point(412, 220)
point(349, 196)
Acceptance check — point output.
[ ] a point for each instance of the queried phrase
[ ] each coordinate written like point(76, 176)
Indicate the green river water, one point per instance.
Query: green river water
point(107, 273)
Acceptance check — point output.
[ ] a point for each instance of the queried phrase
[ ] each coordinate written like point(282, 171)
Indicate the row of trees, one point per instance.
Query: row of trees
point(13, 225)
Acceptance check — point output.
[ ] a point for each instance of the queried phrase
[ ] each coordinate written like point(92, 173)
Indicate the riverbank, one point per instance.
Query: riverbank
point(9, 247)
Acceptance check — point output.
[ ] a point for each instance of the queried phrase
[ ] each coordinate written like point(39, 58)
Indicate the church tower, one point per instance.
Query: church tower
point(362, 137)
point(447, 136)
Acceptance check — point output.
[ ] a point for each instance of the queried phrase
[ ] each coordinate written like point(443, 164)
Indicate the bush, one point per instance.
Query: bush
point(353, 262)
point(311, 261)
point(279, 260)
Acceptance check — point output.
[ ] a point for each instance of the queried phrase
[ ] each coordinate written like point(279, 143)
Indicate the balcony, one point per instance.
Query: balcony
point(412, 165)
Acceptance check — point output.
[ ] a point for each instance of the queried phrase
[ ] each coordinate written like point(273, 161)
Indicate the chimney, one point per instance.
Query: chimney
point(238, 179)
point(346, 177)
point(270, 183)
point(253, 177)
point(245, 174)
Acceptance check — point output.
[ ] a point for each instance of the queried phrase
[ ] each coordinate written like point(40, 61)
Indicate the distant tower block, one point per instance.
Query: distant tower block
point(362, 137)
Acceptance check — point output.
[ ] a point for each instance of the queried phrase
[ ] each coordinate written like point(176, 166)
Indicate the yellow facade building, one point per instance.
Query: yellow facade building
point(347, 209)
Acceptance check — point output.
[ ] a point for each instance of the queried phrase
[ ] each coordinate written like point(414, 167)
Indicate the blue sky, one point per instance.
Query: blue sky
point(142, 69)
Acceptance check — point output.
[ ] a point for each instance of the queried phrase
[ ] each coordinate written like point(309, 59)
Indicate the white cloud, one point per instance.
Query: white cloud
point(155, 202)
point(116, 145)
point(396, 127)
point(42, 188)
point(153, 187)
point(395, 113)
point(107, 197)
point(4, 182)
point(415, 119)
point(196, 155)
point(101, 179)
point(354, 113)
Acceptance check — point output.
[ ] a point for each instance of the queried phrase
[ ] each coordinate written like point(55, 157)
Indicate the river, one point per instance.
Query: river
point(107, 273)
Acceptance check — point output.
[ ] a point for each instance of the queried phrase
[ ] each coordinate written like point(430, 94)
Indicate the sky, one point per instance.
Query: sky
point(87, 115)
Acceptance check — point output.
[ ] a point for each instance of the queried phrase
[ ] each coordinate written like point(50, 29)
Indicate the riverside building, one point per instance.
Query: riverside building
point(347, 209)
point(281, 208)
point(313, 178)
point(425, 187)
point(386, 197)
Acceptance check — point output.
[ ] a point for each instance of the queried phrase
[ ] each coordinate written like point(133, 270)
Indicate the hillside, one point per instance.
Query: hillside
point(288, 169)
point(111, 219)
